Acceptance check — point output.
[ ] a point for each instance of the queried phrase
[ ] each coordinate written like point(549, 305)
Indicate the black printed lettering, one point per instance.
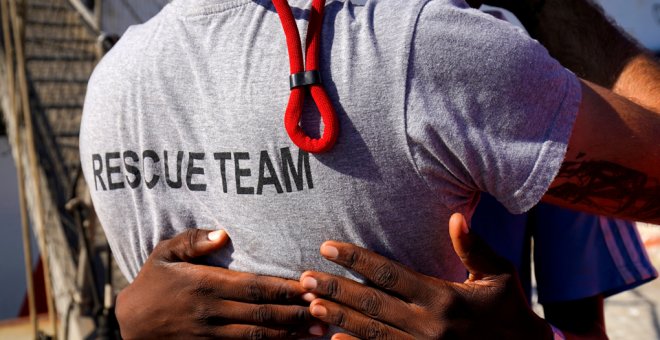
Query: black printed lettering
point(303, 157)
point(97, 159)
point(193, 170)
point(297, 174)
point(238, 156)
point(222, 157)
point(132, 169)
point(179, 159)
point(264, 162)
point(154, 157)
point(109, 170)
point(113, 170)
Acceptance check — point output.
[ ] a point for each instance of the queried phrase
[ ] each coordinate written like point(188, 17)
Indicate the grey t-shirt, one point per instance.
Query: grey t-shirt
point(183, 127)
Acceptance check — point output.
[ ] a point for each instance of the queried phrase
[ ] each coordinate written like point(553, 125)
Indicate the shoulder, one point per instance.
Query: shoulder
point(461, 39)
point(120, 69)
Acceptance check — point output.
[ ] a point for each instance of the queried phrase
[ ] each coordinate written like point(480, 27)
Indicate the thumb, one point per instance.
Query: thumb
point(477, 256)
point(191, 244)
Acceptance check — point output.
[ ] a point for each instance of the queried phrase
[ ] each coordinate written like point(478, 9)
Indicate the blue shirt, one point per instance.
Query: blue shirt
point(576, 255)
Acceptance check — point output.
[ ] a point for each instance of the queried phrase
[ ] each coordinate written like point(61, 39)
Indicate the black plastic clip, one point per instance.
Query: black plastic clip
point(304, 79)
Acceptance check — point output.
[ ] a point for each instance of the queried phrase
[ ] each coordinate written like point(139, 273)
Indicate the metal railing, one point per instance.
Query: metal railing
point(51, 47)
point(91, 17)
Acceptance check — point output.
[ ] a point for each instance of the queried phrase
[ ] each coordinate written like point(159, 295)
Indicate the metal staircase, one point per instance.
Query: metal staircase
point(59, 47)
point(60, 54)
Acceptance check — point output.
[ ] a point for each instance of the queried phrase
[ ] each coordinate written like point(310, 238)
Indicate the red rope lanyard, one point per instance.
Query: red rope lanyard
point(307, 77)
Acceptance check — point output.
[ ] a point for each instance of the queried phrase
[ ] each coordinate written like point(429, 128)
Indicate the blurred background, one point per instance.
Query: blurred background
point(49, 49)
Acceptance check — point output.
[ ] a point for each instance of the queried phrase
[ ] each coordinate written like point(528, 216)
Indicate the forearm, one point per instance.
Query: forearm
point(612, 166)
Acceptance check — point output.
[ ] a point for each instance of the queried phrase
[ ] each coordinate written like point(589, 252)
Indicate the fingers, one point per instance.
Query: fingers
point(257, 314)
point(260, 321)
point(191, 244)
point(237, 331)
point(209, 282)
point(354, 322)
point(369, 301)
point(382, 272)
point(479, 259)
point(343, 336)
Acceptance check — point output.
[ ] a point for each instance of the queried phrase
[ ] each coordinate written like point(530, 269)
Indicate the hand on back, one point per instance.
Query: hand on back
point(174, 298)
point(399, 303)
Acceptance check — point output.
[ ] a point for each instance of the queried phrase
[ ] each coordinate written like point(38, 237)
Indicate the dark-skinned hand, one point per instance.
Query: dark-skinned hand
point(174, 298)
point(402, 304)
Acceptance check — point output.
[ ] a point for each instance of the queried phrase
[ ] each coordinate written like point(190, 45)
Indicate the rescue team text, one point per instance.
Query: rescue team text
point(130, 169)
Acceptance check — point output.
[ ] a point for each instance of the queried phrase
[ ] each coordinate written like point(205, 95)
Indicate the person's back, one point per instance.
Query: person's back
point(183, 127)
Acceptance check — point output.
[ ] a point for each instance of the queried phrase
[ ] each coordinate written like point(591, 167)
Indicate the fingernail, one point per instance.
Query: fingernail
point(309, 283)
point(215, 235)
point(316, 330)
point(319, 311)
point(329, 252)
point(309, 297)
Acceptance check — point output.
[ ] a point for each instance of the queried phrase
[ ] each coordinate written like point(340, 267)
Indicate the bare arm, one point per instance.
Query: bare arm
point(612, 166)
point(613, 163)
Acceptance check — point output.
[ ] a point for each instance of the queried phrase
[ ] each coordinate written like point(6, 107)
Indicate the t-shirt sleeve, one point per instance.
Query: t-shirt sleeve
point(487, 108)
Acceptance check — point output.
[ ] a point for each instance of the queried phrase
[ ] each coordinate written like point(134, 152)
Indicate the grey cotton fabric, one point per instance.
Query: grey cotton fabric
point(183, 128)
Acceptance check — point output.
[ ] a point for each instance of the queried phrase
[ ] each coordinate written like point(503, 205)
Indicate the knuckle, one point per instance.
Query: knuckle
point(332, 288)
point(371, 304)
point(256, 333)
point(120, 310)
point(352, 258)
point(202, 314)
point(202, 287)
point(376, 330)
point(124, 319)
point(262, 314)
point(282, 293)
point(161, 247)
point(254, 290)
point(386, 275)
point(339, 319)
point(189, 242)
point(164, 250)
point(301, 315)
